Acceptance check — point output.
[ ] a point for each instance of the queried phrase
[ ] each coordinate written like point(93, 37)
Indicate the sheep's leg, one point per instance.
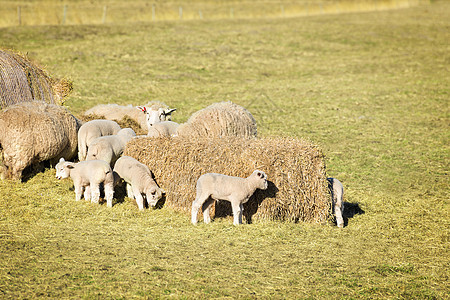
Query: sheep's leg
point(87, 193)
point(139, 199)
point(130, 193)
point(237, 212)
point(109, 194)
point(198, 202)
point(206, 207)
point(339, 218)
point(78, 192)
point(95, 192)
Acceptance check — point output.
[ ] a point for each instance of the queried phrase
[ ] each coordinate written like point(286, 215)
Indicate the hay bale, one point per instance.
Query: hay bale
point(219, 120)
point(23, 81)
point(295, 168)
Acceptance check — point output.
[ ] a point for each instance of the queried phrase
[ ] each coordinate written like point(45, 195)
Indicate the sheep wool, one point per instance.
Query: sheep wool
point(219, 120)
point(33, 132)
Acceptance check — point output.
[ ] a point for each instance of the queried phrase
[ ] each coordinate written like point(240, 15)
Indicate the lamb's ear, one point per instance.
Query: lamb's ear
point(143, 108)
point(61, 160)
point(70, 166)
point(169, 111)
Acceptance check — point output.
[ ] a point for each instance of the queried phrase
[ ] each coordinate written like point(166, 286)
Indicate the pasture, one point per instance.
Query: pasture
point(370, 88)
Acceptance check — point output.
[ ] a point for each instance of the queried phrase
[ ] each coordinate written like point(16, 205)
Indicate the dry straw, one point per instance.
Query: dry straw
point(23, 81)
point(295, 168)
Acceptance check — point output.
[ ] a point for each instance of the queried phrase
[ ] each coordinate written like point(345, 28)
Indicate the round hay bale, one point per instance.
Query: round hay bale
point(219, 120)
point(295, 168)
point(23, 81)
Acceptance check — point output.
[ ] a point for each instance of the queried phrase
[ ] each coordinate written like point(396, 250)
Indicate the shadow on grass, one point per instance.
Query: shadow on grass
point(223, 208)
point(350, 210)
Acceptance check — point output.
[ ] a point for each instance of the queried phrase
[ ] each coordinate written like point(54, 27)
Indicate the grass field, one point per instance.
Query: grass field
point(371, 89)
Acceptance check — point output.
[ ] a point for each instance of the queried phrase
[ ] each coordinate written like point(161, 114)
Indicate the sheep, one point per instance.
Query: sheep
point(87, 177)
point(155, 115)
point(212, 186)
point(33, 132)
point(117, 112)
point(91, 130)
point(219, 120)
point(337, 194)
point(139, 181)
point(164, 128)
point(110, 147)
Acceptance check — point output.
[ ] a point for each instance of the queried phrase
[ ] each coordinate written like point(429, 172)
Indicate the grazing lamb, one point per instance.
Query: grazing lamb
point(165, 128)
point(213, 186)
point(337, 194)
point(91, 130)
point(219, 120)
point(110, 147)
point(87, 176)
point(33, 132)
point(139, 181)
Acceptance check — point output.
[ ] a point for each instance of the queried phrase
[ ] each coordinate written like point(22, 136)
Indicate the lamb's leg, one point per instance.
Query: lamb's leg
point(198, 202)
point(206, 207)
point(130, 193)
point(109, 194)
point(95, 192)
point(237, 212)
point(87, 193)
point(78, 192)
point(139, 198)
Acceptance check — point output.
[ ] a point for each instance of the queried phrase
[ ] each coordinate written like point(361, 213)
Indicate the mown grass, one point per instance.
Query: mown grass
point(370, 88)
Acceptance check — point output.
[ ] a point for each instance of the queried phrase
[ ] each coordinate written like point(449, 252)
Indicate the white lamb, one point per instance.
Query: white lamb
point(87, 177)
point(139, 181)
point(337, 194)
point(213, 186)
point(109, 148)
point(92, 130)
point(160, 129)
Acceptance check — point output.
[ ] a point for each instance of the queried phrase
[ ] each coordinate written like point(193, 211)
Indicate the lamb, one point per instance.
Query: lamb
point(164, 128)
point(87, 177)
point(33, 132)
point(139, 181)
point(154, 110)
point(109, 148)
point(337, 193)
point(92, 130)
point(219, 120)
point(212, 186)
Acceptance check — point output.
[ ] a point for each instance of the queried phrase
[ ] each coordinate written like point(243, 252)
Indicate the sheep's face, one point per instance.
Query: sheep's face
point(153, 116)
point(153, 194)
point(63, 169)
point(261, 179)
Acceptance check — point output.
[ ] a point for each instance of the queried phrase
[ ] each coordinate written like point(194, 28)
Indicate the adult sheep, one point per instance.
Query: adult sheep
point(141, 114)
point(220, 120)
point(32, 132)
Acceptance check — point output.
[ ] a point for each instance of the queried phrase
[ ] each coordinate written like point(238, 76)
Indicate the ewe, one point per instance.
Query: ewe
point(213, 186)
point(87, 176)
point(139, 181)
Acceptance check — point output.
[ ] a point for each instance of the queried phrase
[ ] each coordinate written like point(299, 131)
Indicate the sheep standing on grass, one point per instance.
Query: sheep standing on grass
point(87, 177)
point(92, 130)
point(337, 195)
point(212, 186)
point(110, 147)
point(139, 181)
point(33, 132)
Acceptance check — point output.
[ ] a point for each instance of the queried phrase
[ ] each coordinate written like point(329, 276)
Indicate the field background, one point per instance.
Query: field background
point(370, 88)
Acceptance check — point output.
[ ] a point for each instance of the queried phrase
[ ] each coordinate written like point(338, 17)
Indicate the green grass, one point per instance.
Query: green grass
point(372, 89)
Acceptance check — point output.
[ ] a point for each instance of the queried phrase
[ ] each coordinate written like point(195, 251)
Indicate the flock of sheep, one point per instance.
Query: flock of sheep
point(33, 132)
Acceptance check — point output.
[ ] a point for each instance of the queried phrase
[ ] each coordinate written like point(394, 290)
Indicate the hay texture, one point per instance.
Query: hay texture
point(23, 81)
point(219, 120)
point(295, 168)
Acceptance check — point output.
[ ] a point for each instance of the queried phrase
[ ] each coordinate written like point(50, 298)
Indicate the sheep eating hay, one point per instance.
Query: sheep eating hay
point(220, 119)
point(32, 132)
point(297, 191)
